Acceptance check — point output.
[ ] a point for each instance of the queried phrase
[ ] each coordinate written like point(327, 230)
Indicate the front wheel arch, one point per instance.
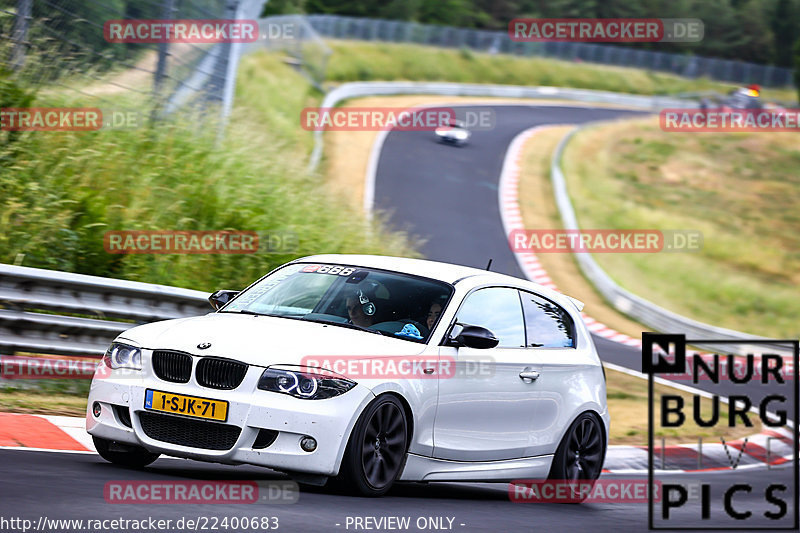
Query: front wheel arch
point(406, 408)
point(408, 412)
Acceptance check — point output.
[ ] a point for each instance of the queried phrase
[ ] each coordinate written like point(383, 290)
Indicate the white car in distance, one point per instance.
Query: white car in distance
point(370, 370)
point(454, 132)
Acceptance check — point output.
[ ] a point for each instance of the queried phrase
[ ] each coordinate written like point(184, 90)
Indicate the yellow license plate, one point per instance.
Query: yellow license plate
point(186, 405)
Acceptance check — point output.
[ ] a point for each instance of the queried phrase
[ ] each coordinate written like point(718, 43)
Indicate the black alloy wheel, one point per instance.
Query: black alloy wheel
point(377, 448)
point(579, 458)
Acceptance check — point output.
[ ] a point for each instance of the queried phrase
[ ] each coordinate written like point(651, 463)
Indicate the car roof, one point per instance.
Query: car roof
point(446, 272)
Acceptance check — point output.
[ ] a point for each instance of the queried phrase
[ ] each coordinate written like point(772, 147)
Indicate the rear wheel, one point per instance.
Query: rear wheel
point(377, 448)
point(579, 458)
point(123, 454)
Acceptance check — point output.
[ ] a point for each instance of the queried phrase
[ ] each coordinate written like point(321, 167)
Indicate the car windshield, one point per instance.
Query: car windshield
point(378, 301)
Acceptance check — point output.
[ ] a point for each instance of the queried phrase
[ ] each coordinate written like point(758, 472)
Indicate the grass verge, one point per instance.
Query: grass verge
point(741, 190)
point(35, 402)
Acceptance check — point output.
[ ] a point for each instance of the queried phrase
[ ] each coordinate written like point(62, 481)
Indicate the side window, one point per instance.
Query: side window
point(498, 310)
point(548, 325)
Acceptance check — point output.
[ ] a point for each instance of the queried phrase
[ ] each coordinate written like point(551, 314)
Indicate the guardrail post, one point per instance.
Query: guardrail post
point(167, 12)
point(19, 34)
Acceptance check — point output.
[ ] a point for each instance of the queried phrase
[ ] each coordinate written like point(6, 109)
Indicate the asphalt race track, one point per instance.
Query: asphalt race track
point(448, 196)
point(64, 486)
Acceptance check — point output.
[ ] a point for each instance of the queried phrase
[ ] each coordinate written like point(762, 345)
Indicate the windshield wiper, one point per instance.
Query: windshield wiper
point(346, 325)
point(245, 312)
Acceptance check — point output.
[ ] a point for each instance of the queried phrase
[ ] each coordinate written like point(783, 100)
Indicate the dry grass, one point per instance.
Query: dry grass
point(627, 405)
point(33, 402)
point(740, 190)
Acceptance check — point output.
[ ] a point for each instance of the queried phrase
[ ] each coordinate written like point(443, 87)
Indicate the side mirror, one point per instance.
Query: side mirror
point(472, 337)
point(220, 298)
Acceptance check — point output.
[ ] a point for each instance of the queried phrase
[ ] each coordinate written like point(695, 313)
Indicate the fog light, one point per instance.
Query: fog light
point(308, 444)
point(96, 409)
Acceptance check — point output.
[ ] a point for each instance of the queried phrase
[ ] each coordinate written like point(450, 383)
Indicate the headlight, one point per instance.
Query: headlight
point(121, 355)
point(305, 385)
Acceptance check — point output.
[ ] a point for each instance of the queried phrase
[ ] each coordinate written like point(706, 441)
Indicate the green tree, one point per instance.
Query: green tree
point(400, 10)
point(350, 8)
point(283, 7)
point(785, 31)
point(497, 13)
point(448, 13)
point(757, 44)
point(723, 36)
point(797, 67)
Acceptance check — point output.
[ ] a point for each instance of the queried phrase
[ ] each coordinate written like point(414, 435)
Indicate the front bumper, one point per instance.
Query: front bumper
point(250, 409)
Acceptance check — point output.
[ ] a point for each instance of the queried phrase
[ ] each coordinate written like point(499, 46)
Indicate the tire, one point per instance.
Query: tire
point(376, 450)
point(579, 457)
point(124, 454)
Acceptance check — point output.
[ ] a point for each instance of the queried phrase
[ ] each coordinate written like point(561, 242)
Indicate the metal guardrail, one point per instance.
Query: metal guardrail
point(46, 311)
point(638, 308)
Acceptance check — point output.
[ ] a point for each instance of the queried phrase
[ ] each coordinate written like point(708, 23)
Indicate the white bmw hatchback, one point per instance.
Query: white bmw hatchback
point(368, 369)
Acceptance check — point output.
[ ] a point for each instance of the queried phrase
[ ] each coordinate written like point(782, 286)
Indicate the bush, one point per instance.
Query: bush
point(67, 189)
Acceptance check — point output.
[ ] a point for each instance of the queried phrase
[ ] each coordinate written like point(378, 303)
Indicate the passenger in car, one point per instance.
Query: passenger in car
point(433, 314)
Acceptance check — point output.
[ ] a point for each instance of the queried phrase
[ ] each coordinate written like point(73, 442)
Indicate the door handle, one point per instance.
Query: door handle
point(529, 376)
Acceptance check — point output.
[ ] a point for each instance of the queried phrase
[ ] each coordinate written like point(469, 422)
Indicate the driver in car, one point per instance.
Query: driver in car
point(358, 307)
